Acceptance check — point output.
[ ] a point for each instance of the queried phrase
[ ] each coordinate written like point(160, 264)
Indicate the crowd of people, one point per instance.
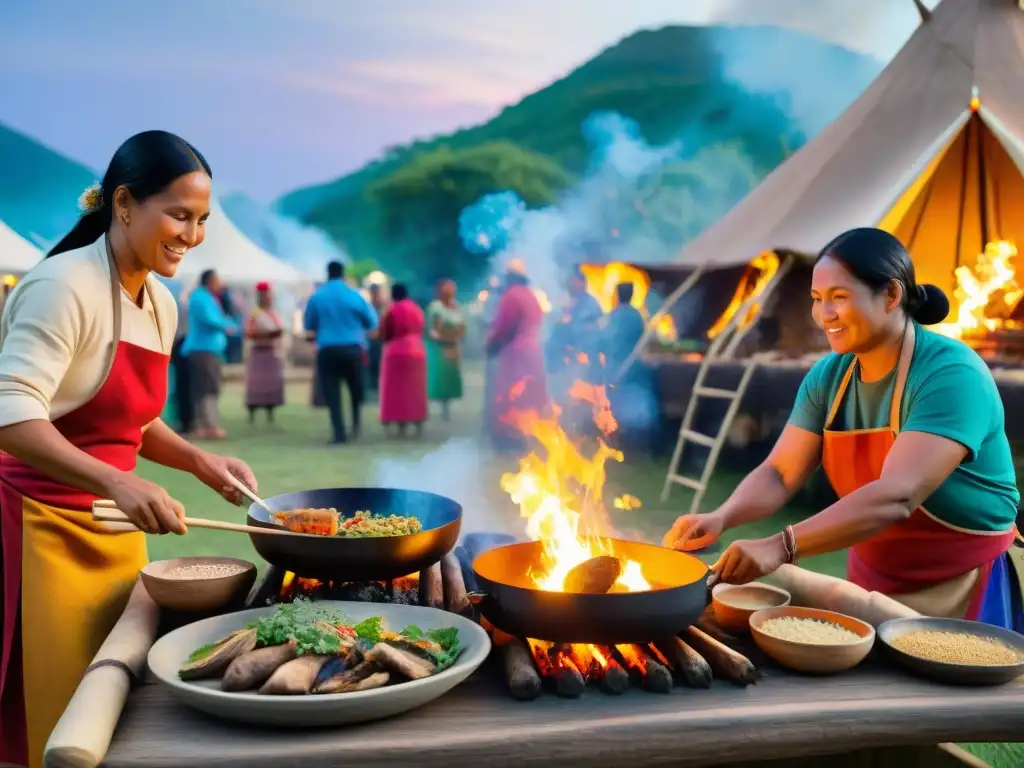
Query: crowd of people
point(381, 342)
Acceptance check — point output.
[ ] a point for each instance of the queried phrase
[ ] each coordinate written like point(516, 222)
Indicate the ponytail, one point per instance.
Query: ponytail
point(90, 228)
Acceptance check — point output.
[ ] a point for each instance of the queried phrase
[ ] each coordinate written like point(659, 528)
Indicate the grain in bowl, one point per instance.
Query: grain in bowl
point(955, 648)
point(201, 570)
point(804, 630)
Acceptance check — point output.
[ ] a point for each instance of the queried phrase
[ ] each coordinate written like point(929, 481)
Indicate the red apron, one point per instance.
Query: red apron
point(66, 578)
point(920, 552)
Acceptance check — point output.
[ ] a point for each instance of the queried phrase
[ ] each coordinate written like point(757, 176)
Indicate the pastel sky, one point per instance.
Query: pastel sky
point(283, 93)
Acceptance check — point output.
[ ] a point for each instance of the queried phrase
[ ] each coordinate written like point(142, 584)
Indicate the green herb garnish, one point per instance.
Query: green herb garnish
point(297, 622)
point(369, 629)
point(446, 637)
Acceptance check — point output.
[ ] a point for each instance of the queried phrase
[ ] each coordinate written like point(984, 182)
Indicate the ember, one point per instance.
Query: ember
point(403, 591)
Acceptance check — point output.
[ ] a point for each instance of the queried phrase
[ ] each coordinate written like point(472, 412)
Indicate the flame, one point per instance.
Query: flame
point(626, 502)
point(561, 497)
point(589, 660)
point(987, 293)
point(634, 657)
point(602, 279)
point(597, 396)
point(753, 281)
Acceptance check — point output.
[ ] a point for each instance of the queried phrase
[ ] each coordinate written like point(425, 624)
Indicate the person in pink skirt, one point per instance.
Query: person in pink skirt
point(403, 368)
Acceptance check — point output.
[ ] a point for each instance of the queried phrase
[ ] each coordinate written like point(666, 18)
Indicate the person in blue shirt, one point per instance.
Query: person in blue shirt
point(630, 385)
point(204, 346)
point(339, 318)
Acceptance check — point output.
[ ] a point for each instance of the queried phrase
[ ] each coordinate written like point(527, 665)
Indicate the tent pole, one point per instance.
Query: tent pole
point(924, 12)
point(964, 173)
point(982, 186)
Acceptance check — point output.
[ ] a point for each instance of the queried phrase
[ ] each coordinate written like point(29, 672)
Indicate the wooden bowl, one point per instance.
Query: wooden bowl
point(200, 593)
point(812, 657)
point(735, 603)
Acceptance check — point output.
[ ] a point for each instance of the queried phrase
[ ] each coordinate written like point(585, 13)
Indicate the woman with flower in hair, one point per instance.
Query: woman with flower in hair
point(85, 343)
point(264, 370)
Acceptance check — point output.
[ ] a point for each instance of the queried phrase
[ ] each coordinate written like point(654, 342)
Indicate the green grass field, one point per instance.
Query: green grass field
point(294, 455)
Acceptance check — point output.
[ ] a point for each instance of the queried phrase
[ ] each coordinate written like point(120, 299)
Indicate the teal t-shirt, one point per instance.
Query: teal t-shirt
point(949, 392)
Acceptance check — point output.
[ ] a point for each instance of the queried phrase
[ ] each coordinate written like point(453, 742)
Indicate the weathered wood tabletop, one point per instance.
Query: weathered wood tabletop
point(783, 716)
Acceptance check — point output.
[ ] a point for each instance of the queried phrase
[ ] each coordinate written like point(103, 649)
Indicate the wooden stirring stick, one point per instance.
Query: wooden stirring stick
point(248, 493)
point(106, 511)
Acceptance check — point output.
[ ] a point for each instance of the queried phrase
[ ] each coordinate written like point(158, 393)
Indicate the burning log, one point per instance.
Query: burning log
point(569, 681)
point(725, 663)
point(432, 587)
point(520, 674)
point(658, 679)
point(691, 666)
point(594, 576)
point(554, 663)
point(653, 675)
point(598, 665)
point(455, 599)
point(613, 678)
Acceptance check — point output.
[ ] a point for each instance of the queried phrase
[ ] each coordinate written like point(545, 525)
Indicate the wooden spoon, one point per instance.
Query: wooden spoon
point(106, 511)
point(248, 493)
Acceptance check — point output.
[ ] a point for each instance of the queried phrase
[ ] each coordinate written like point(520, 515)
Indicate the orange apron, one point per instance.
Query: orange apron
point(928, 564)
point(66, 578)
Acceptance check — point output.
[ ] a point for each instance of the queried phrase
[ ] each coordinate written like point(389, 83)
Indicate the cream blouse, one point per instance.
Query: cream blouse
point(57, 333)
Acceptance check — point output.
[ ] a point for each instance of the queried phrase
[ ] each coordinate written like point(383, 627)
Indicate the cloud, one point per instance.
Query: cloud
point(429, 83)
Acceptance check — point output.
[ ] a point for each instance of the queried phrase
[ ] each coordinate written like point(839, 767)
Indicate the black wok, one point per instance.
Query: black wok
point(513, 604)
point(340, 558)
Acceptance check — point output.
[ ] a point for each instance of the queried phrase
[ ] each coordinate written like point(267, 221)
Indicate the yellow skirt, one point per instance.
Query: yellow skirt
point(75, 579)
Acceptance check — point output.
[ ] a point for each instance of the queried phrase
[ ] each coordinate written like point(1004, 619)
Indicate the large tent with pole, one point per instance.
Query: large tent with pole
point(932, 151)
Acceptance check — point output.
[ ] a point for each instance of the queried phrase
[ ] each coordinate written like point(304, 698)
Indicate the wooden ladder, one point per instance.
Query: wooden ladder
point(722, 348)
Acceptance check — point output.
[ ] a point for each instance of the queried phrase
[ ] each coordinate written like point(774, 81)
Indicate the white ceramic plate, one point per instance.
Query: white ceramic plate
point(169, 653)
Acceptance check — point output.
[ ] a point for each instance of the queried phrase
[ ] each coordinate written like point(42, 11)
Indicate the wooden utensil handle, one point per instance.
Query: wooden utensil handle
point(106, 511)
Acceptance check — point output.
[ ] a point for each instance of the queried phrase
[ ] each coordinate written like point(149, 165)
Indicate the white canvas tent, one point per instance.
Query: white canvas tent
point(17, 255)
point(237, 259)
point(932, 151)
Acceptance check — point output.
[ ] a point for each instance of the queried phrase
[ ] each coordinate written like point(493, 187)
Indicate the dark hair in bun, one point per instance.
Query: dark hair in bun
point(876, 258)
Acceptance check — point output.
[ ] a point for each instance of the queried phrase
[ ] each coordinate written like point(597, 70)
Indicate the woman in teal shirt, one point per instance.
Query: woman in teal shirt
point(908, 426)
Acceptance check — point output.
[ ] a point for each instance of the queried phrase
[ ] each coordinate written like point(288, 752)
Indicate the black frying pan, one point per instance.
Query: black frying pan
point(341, 558)
point(515, 605)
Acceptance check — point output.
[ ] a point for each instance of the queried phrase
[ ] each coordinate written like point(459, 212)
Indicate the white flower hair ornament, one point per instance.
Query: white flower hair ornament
point(91, 199)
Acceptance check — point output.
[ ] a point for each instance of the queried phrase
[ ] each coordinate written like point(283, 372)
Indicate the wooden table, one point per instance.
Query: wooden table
point(783, 716)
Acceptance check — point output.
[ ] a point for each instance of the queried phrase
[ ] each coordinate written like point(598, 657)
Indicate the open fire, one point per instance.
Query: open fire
point(602, 280)
point(560, 493)
point(987, 295)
